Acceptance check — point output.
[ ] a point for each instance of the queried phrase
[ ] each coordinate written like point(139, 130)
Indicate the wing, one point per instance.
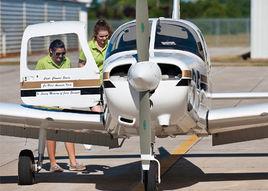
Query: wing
point(240, 123)
point(241, 95)
point(62, 125)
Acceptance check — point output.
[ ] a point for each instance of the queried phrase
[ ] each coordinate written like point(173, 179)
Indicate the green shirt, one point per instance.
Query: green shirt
point(98, 55)
point(47, 63)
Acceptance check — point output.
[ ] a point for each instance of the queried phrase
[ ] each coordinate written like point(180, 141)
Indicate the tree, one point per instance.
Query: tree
point(125, 9)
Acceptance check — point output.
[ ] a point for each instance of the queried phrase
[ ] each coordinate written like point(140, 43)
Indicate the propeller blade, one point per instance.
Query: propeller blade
point(142, 36)
point(144, 76)
point(142, 30)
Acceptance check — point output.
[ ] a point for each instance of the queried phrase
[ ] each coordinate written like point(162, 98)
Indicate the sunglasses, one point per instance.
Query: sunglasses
point(60, 53)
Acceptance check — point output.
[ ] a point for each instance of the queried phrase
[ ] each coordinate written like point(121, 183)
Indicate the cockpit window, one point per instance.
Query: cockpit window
point(125, 40)
point(54, 51)
point(169, 35)
point(177, 37)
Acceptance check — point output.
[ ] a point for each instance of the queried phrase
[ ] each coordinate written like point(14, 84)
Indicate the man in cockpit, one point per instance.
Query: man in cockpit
point(56, 59)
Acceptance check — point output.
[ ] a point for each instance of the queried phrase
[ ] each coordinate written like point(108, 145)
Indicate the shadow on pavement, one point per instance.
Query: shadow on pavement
point(124, 177)
point(185, 174)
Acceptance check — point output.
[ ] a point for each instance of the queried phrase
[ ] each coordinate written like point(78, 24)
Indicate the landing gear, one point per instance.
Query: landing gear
point(26, 168)
point(150, 177)
point(26, 165)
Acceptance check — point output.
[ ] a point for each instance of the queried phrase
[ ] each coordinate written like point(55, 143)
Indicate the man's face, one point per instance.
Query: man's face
point(58, 55)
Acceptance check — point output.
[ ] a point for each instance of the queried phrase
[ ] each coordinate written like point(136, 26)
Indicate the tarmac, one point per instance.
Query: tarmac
point(238, 166)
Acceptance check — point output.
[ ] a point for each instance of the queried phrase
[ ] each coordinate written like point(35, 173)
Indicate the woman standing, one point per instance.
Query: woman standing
point(98, 47)
point(98, 44)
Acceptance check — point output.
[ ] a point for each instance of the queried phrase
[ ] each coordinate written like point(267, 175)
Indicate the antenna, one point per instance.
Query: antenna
point(176, 14)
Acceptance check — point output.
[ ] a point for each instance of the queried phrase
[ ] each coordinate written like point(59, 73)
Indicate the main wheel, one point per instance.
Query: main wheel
point(26, 168)
point(150, 177)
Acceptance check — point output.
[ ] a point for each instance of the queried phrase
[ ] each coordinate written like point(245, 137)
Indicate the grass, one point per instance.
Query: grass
point(237, 61)
point(240, 40)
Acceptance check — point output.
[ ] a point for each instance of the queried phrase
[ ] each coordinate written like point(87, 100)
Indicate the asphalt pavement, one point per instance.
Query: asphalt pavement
point(239, 166)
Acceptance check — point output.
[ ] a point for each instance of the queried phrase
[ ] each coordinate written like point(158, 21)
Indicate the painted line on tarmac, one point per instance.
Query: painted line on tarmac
point(184, 147)
point(168, 162)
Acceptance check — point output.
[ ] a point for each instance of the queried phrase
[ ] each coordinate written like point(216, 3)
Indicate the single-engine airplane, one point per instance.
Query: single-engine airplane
point(155, 84)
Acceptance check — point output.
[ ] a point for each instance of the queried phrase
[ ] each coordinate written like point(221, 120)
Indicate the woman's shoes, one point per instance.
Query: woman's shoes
point(77, 167)
point(55, 168)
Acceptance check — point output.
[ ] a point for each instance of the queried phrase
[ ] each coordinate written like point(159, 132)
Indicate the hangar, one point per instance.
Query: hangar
point(16, 15)
point(259, 29)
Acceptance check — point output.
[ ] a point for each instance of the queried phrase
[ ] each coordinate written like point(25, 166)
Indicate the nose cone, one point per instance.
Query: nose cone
point(144, 76)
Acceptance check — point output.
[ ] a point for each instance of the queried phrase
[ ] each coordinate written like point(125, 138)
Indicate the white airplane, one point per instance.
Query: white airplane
point(156, 84)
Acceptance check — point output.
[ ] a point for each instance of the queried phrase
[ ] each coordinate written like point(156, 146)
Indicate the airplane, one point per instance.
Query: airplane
point(155, 84)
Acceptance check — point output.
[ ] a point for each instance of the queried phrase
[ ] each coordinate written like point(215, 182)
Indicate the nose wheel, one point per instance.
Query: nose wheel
point(26, 173)
point(150, 177)
point(26, 165)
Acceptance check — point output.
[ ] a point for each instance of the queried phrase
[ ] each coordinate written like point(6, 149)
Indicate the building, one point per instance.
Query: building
point(16, 15)
point(259, 29)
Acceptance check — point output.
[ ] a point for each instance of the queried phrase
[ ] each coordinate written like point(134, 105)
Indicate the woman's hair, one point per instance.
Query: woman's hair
point(101, 24)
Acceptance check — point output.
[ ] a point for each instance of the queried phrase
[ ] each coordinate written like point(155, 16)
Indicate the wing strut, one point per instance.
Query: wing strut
point(42, 143)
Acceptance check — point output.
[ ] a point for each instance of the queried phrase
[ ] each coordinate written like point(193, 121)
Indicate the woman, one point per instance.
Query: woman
point(98, 46)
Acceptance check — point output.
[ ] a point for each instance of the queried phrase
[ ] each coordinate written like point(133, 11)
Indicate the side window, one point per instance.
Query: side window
point(38, 50)
point(204, 53)
point(200, 50)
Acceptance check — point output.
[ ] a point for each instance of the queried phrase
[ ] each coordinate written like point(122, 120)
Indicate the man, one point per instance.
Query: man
point(56, 60)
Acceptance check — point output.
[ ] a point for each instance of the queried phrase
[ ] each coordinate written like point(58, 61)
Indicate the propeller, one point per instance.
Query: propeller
point(142, 30)
point(144, 76)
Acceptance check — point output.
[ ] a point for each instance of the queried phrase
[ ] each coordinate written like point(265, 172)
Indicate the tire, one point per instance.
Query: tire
point(150, 178)
point(25, 168)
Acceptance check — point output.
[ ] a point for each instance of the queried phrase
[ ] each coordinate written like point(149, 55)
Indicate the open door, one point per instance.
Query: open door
point(70, 87)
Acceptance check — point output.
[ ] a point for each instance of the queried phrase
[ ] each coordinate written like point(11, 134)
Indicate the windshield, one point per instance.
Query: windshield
point(169, 35)
point(124, 40)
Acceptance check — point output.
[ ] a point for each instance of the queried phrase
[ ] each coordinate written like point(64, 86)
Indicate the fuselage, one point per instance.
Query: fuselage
point(179, 49)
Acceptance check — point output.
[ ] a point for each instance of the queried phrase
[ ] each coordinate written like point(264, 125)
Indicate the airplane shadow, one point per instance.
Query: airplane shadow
point(124, 177)
point(185, 174)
